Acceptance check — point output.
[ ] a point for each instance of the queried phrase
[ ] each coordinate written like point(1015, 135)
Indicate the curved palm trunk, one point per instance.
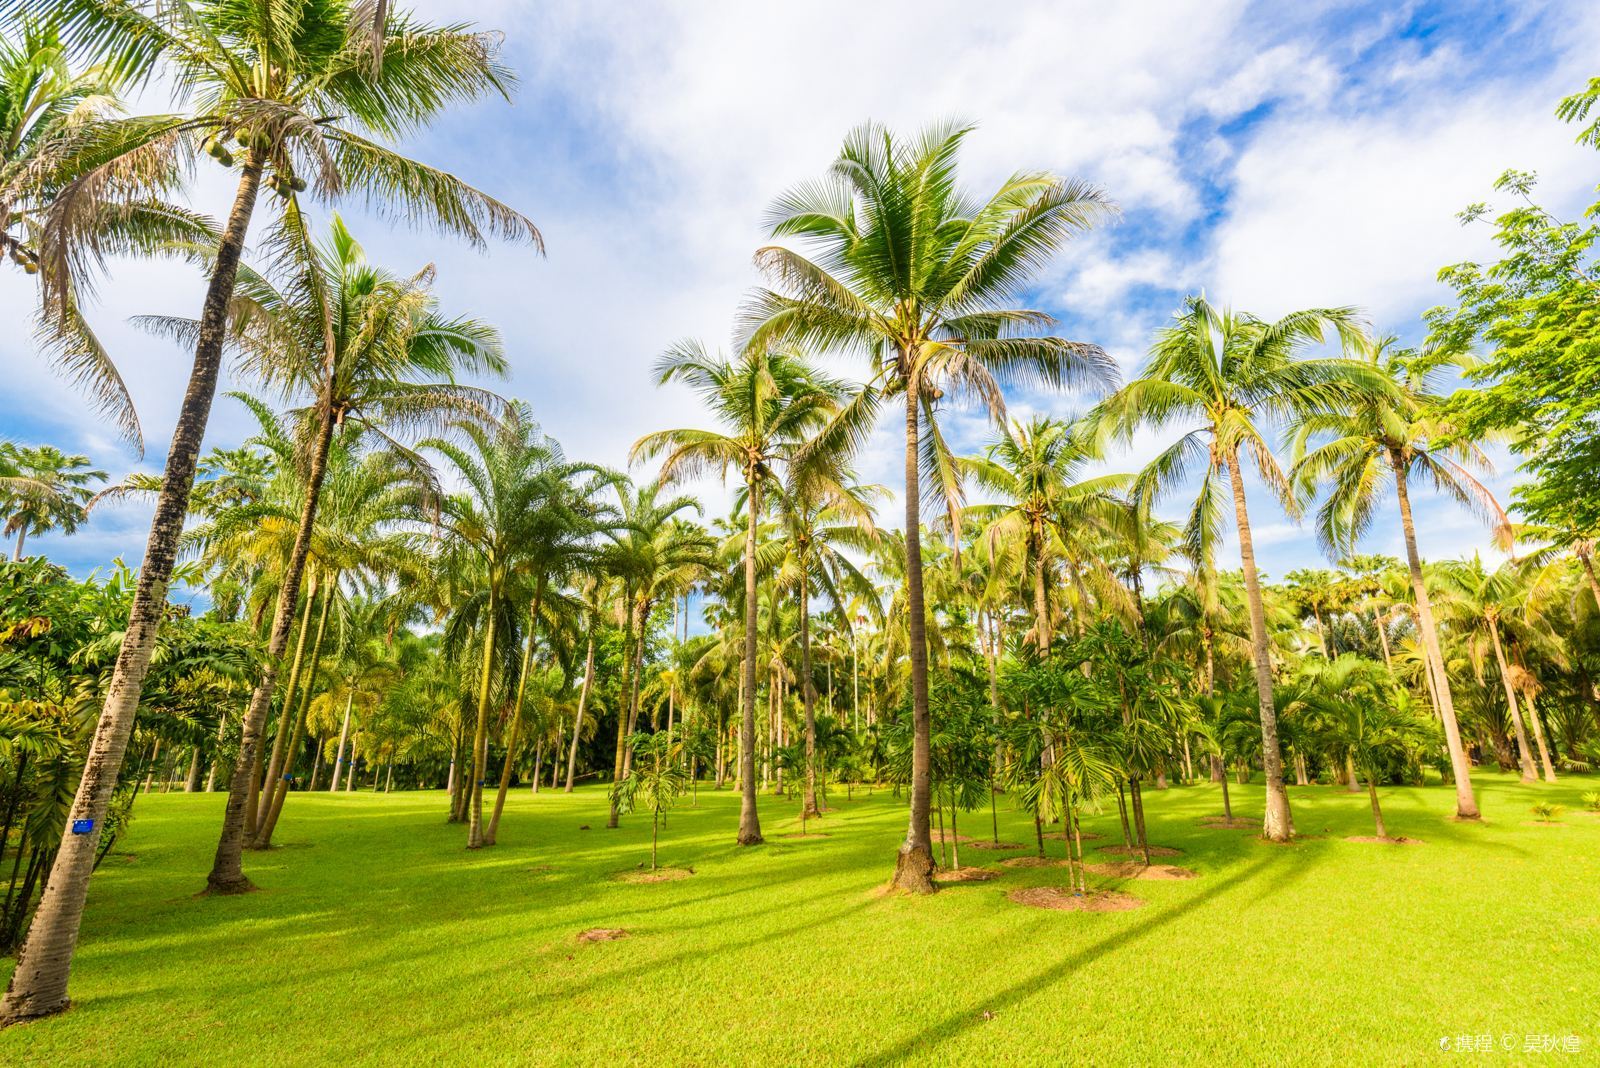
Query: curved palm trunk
point(914, 864)
point(1278, 824)
point(1377, 813)
point(516, 721)
point(583, 701)
point(1545, 765)
point(38, 986)
point(749, 819)
point(1041, 601)
point(480, 736)
point(1461, 769)
point(254, 801)
point(1588, 572)
point(227, 871)
point(344, 732)
point(283, 774)
point(1524, 750)
point(808, 695)
point(16, 554)
point(622, 710)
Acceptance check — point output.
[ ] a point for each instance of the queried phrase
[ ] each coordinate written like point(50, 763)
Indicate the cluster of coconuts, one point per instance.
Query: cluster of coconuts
point(216, 147)
point(23, 260)
point(286, 185)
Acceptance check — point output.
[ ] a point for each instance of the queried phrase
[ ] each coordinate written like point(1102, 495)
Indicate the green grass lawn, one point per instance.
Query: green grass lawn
point(377, 938)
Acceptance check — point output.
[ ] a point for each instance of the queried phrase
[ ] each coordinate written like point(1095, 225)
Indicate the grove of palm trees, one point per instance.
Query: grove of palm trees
point(942, 655)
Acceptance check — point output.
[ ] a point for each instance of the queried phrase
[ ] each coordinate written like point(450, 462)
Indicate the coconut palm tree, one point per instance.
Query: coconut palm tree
point(43, 489)
point(1393, 436)
point(1222, 373)
point(769, 403)
point(296, 84)
point(921, 279)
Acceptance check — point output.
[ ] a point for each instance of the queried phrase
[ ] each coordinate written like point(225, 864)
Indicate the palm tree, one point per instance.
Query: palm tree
point(510, 473)
point(921, 279)
point(1037, 468)
point(1395, 435)
point(296, 83)
point(1225, 371)
point(354, 341)
point(43, 489)
point(770, 402)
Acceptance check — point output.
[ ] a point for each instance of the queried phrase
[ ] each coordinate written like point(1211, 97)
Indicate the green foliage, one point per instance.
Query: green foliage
point(1547, 811)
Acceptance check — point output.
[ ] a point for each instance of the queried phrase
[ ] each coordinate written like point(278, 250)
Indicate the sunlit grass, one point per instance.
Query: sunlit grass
point(377, 937)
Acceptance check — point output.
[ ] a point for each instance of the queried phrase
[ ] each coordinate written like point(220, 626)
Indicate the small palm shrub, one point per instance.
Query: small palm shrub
point(1591, 800)
point(1546, 812)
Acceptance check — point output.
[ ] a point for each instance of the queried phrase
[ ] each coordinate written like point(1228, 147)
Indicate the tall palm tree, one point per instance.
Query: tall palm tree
point(296, 83)
point(509, 473)
point(370, 352)
point(769, 402)
point(1225, 372)
point(43, 489)
point(921, 279)
point(1393, 436)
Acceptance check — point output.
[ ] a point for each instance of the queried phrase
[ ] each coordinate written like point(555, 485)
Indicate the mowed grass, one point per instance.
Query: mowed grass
point(377, 938)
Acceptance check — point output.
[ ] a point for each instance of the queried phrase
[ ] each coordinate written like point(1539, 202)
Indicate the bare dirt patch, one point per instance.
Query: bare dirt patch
point(978, 843)
point(1032, 862)
point(660, 875)
point(1132, 869)
point(806, 834)
point(1383, 841)
point(602, 934)
point(1135, 851)
point(1224, 823)
point(1060, 898)
point(965, 875)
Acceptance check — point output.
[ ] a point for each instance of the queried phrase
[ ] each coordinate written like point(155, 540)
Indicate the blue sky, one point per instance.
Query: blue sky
point(1274, 155)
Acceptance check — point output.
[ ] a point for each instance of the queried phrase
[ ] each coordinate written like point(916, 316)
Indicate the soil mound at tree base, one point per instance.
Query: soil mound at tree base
point(1135, 851)
point(1133, 869)
point(1383, 841)
point(981, 844)
point(1032, 862)
point(1225, 823)
point(602, 934)
point(660, 875)
point(1062, 899)
point(965, 875)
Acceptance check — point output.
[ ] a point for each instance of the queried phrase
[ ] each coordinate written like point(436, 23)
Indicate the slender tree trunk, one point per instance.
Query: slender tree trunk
point(22, 534)
point(1377, 813)
point(344, 732)
point(480, 736)
point(1524, 750)
point(1352, 780)
point(227, 871)
point(914, 864)
point(516, 719)
point(316, 763)
point(263, 839)
point(1588, 572)
point(191, 781)
point(262, 775)
point(1041, 600)
point(1545, 765)
point(749, 819)
point(1383, 640)
point(38, 985)
point(1278, 824)
point(583, 702)
point(622, 709)
point(808, 695)
point(1227, 802)
point(1461, 768)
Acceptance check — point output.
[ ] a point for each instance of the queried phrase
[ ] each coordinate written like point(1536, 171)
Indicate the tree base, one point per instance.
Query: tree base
point(913, 870)
point(29, 1011)
point(240, 884)
point(1278, 826)
point(750, 838)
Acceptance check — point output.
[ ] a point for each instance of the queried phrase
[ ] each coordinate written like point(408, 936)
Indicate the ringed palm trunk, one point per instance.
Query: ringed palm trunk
point(38, 985)
point(516, 722)
point(1461, 769)
point(808, 696)
point(1278, 824)
point(261, 777)
point(583, 701)
point(1524, 750)
point(749, 819)
point(480, 736)
point(1041, 602)
point(1377, 813)
point(283, 773)
point(914, 863)
point(1546, 767)
point(227, 871)
point(344, 732)
point(622, 709)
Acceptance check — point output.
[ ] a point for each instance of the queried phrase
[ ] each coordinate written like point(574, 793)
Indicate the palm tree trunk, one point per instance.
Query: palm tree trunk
point(1041, 600)
point(227, 872)
point(480, 735)
point(1588, 571)
point(1466, 805)
point(808, 695)
point(344, 732)
point(38, 986)
point(316, 762)
point(1278, 824)
point(516, 719)
point(22, 534)
point(1377, 813)
point(191, 781)
point(622, 710)
point(260, 778)
point(1538, 739)
point(914, 863)
point(1524, 750)
point(285, 772)
point(583, 701)
point(749, 819)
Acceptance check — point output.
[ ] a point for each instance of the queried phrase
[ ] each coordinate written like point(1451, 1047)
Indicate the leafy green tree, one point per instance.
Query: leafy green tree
point(920, 278)
point(656, 780)
point(43, 489)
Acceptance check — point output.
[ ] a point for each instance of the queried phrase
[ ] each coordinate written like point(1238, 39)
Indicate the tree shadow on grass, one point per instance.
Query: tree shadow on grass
point(918, 1046)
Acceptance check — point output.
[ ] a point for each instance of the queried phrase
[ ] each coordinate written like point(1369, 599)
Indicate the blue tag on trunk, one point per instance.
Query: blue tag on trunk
point(82, 826)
